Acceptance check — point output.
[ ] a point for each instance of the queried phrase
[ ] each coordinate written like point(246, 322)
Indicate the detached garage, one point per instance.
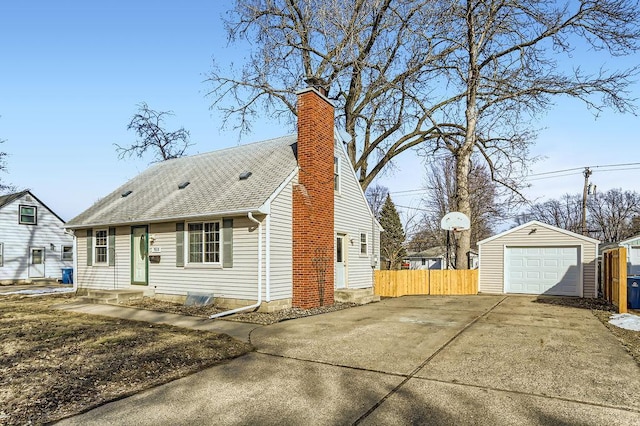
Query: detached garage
point(536, 258)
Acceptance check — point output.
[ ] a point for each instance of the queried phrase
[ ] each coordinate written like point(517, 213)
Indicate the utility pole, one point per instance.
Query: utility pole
point(587, 172)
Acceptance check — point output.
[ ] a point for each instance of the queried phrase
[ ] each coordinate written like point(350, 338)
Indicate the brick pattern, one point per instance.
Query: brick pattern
point(313, 204)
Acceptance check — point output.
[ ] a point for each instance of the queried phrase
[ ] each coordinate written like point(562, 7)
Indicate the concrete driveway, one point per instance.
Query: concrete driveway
point(412, 360)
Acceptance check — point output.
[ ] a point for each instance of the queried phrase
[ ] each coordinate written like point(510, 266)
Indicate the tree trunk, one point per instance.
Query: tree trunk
point(463, 239)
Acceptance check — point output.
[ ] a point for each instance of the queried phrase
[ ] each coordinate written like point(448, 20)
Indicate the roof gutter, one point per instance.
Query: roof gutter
point(260, 210)
point(259, 302)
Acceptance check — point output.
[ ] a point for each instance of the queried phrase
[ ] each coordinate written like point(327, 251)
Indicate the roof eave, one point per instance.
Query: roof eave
point(262, 210)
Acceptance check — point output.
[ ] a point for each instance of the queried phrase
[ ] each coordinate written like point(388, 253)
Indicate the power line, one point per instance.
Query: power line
point(575, 170)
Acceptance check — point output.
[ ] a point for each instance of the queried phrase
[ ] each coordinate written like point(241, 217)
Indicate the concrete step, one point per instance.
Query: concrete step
point(99, 300)
point(114, 296)
point(355, 295)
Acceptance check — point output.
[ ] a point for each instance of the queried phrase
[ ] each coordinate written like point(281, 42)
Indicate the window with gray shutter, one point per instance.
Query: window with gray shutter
point(227, 243)
point(179, 245)
point(112, 246)
point(89, 247)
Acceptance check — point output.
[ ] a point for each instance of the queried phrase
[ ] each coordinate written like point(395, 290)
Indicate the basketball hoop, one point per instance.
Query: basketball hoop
point(456, 222)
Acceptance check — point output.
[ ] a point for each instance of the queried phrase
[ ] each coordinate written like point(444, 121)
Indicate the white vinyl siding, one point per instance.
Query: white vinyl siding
point(282, 244)
point(492, 255)
point(104, 277)
point(16, 240)
point(353, 218)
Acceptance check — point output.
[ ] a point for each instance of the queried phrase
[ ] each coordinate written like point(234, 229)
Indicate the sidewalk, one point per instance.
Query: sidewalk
point(238, 330)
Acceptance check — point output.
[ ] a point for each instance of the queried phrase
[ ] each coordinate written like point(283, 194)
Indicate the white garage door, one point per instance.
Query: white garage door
point(543, 270)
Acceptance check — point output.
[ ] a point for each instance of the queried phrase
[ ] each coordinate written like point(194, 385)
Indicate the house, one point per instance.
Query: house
point(436, 258)
point(33, 242)
point(536, 258)
point(274, 224)
point(633, 254)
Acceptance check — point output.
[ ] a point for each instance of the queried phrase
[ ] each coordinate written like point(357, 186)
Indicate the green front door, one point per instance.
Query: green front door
point(139, 258)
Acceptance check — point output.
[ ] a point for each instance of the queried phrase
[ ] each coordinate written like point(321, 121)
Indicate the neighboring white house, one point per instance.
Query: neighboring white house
point(537, 258)
point(277, 223)
point(435, 258)
point(633, 254)
point(33, 242)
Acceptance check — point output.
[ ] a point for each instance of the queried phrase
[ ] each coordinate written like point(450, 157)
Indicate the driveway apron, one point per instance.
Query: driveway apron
point(411, 360)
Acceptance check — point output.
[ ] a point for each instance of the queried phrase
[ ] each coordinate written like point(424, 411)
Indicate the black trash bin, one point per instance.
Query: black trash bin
point(633, 292)
point(67, 275)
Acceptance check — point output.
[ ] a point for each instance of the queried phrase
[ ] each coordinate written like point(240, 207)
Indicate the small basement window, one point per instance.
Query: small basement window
point(28, 215)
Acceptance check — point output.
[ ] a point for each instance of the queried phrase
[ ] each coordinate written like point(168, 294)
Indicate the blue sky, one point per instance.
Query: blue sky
point(73, 72)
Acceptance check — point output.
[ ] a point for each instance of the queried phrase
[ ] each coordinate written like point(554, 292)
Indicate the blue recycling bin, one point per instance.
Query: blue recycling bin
point(67, 275)
point(633, 292)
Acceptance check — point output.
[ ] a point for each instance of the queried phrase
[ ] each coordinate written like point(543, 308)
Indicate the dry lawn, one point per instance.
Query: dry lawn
point(57, 363)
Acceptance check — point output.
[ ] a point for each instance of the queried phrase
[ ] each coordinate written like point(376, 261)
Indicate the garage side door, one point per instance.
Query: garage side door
point(543, 270)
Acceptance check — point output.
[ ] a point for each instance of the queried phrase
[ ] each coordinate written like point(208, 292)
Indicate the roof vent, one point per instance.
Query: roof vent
point(184, 184)
point(245, 175)
point(125, 193)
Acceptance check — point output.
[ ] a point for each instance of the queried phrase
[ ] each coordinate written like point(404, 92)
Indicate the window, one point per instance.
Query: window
point(28, 215)
point(363, 243)
point(101, 246)
point(1, 254)
point(67, 252)
point(336, 174)
point(204, 242)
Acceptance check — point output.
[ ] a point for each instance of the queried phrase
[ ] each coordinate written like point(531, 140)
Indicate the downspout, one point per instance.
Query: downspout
point(75, 258)
point(267, 272)
point(259, 302)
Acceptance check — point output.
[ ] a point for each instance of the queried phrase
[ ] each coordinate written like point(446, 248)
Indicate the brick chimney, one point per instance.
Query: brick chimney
point(313, 198)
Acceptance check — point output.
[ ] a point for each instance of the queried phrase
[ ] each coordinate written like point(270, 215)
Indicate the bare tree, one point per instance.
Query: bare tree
point(611, 214)
point(372, 55)
point(148, 125)
point(565, 213)
point(486, 205)
point(463, 77)
point(4, 187)
point(376, 196)
point(505, 63)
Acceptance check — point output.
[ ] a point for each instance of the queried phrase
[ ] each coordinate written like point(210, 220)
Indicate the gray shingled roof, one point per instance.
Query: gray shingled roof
point(6, 199)
point(215, 187)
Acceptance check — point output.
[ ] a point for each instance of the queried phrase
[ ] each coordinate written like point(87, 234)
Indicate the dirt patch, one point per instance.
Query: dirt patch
point(57, 363)
point(602, 310)
point(250, 317)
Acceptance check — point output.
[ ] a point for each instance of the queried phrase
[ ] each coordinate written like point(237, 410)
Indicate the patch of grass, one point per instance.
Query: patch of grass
point(58, 363)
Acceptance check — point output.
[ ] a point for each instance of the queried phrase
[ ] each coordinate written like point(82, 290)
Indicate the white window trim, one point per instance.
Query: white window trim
point(337, 173)
point(95, 247)
point(1, 254)
point(188, 263)
point(35, 214)
point(62, 252)
point(366, 244)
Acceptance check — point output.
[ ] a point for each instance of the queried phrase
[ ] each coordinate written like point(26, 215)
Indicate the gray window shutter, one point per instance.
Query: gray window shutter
point(227, 243)
point(179, 244)
point(112, 246)
point(89, 247)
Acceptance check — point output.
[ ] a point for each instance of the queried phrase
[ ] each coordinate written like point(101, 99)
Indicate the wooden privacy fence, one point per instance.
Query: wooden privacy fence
point(433, 282)
point(614, 277)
